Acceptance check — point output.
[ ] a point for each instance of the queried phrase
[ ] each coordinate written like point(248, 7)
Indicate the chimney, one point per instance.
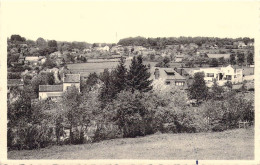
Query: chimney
point(157, 73)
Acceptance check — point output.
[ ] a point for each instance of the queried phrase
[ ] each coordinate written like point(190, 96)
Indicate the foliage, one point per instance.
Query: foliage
point(198, 89)
point(42, 79)
point(92, 80)
point(138, 76)
point(232, 59)
point(250, 58)
point(49, 63)
point(216, 91)
point(16, 37)
point(165, 63)
point(240, 58)
point(120, 76)
point(214, 62)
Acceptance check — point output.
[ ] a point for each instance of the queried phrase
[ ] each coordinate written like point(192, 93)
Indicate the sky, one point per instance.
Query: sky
point(101, 21)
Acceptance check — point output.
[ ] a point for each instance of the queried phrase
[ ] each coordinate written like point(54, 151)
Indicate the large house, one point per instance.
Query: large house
point(50, 91)
point(169, 76)
point(71, 80)
point(221, 75)
point(56, 91)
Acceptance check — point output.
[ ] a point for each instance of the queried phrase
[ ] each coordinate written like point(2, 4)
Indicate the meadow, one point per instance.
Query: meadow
point(99, 67)
point(234, 144)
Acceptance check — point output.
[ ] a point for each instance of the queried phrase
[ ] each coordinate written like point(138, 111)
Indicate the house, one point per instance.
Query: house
point(179, 57)
point(169, 76)
point(71, 80)
point(50, 91)
point(15, 83)
point(56, 91)
point(239, 44)
point(31, 60)
point(250, 44)
point(221, 75)
point(225, 56)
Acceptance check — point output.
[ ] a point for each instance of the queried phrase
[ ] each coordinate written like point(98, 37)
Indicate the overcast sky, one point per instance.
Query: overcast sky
point(100, 21)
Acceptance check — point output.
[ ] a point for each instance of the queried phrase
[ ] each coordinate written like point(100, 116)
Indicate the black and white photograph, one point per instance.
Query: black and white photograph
point(129, 80)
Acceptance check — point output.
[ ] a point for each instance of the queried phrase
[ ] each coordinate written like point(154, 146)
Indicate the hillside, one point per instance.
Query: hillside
point(227, 145)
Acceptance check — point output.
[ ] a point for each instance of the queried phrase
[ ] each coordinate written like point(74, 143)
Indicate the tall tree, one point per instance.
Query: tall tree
point(232, 59)
point(214, 62)
point(120, 76)
point(41, 42)
point(250, 58)
point(108, 92)
point(138, 76)
point(52, 43)
point(70, 102)
point(198, 89)
point(240, 58)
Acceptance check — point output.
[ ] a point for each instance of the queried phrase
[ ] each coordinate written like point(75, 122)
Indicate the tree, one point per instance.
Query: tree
point(92, 80)
point(42, 79)
point(41, 43)
point(108, 92)
point(250, 58)
point(240, 58)
point(214, 62)
point(52, 43)
point(49, 63)
point(216, 91)
point(221, 61)
point(138, 76)
point(198, 89)
point(133, 114)
point(16, 37)
point(120, 76)
point(232, 59)
point(70, 103)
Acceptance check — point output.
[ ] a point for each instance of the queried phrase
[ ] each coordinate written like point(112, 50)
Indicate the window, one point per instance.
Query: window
point(179, 83)
point(229, 77)
point(210, 74)
point(167, 82)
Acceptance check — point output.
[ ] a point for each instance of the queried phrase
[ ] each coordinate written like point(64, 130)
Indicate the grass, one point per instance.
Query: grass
point(228, 145)
point(99, 67)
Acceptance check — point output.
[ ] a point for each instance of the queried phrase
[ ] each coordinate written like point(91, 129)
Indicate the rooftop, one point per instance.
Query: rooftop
point(15, 82)
point(71, 78)
point(50, 88)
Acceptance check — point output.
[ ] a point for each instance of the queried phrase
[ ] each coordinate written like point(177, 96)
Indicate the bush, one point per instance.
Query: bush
point(31, 136)
point(107, 132)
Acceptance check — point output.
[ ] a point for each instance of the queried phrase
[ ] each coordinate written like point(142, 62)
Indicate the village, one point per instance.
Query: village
point(177, 71)
point(81, 93)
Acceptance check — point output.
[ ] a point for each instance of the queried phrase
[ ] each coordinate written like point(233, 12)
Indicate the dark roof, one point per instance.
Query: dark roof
point(15, 82)
point(71, 78)
point(50, 88)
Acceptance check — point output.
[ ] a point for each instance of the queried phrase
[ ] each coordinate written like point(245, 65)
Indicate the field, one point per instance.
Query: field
point(99, 67)
point(227, 145)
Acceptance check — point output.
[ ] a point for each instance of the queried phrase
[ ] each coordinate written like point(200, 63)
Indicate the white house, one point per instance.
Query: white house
point(56, 91)
point(50, 91)
point(71, 80)
point(221, 75)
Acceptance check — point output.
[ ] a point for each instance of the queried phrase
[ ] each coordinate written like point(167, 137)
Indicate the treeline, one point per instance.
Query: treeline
point(122, 103)
point(160, 43)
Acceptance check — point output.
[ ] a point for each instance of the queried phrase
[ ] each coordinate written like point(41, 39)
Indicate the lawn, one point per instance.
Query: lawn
point(99, 67)
point(227, 145)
